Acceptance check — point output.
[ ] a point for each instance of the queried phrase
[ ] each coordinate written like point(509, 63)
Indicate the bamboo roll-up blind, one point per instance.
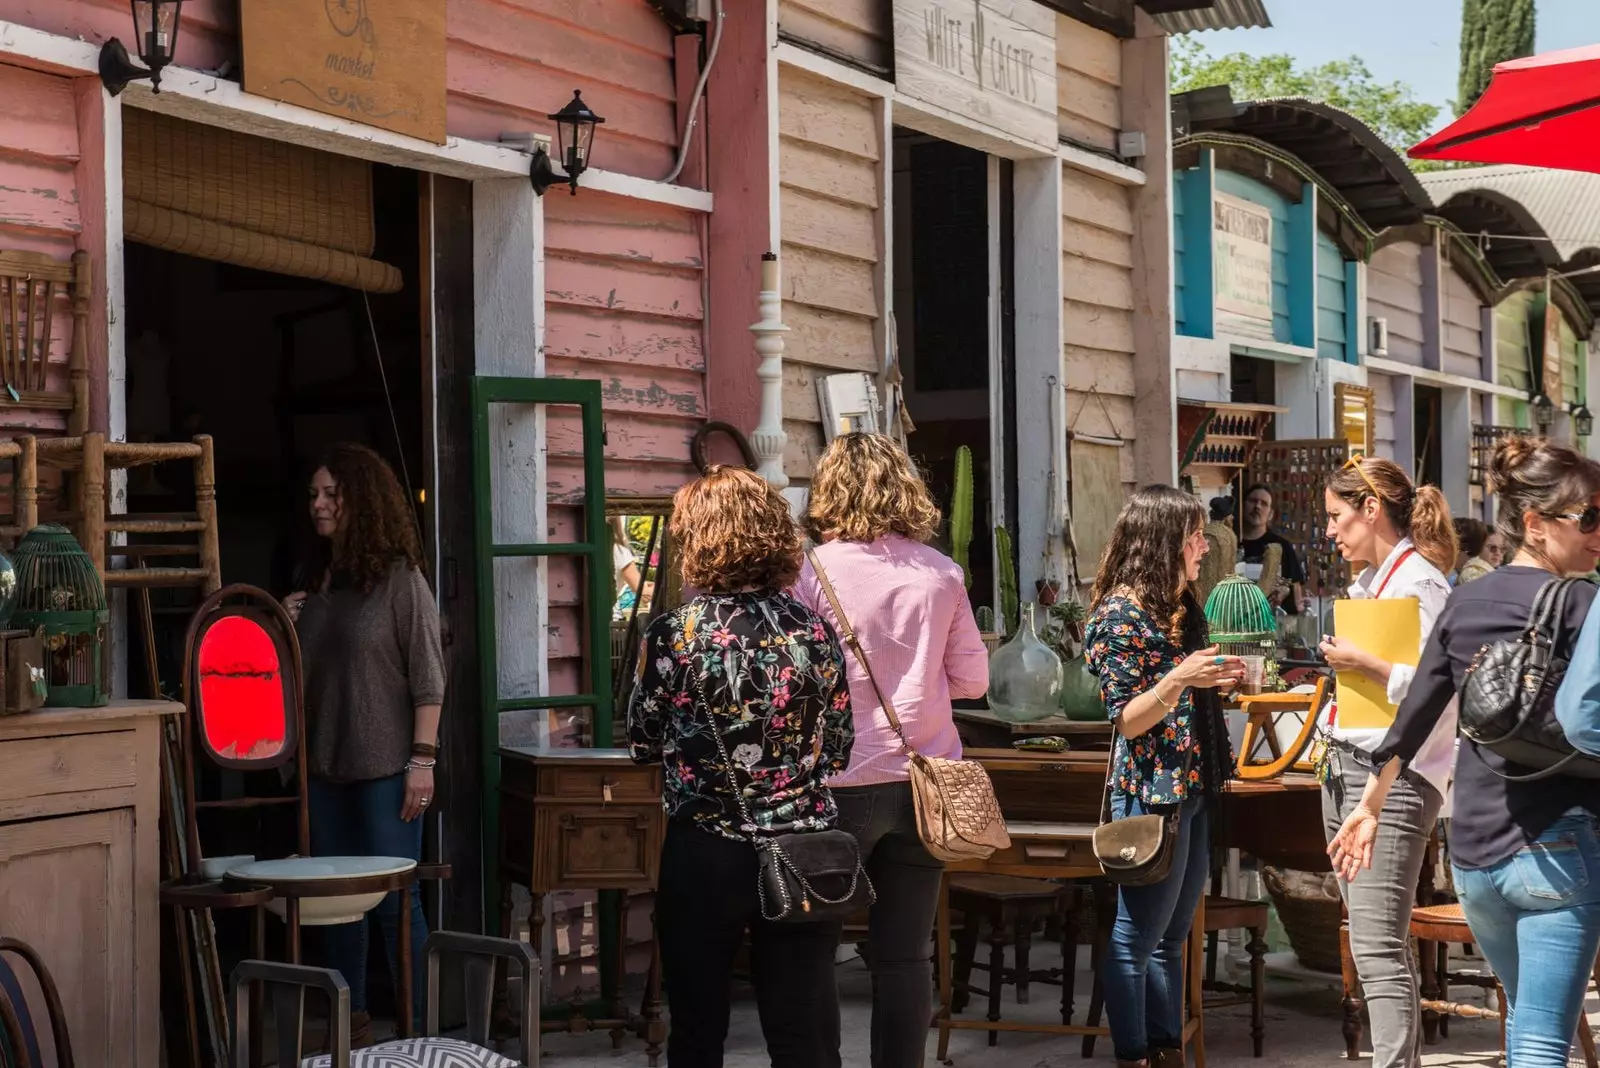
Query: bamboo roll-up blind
point(178, 232)
point(274, 206)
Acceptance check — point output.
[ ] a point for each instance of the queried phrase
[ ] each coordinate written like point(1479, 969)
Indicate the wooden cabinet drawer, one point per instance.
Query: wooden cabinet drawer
point(588, 783)
point(597, 847)
point(37, 768)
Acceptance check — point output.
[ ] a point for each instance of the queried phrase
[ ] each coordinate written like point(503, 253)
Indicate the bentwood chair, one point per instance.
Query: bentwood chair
point(19, 1035)
point(479, 955)
point(242, 688)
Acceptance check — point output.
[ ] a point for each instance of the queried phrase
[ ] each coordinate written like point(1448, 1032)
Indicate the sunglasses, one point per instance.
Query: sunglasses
point(1588, 520)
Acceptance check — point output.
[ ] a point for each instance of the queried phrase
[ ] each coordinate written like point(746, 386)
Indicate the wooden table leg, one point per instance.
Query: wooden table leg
point(655, 1030)
point(258, 950)
point(403, 1010)
point(1353, 1003)
point(291, 913)
point(942, 939)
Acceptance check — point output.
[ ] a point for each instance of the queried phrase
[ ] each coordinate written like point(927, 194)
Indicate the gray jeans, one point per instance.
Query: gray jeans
point(1380, 902)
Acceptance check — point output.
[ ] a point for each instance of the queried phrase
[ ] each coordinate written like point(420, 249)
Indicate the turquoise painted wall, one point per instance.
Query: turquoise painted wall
point(1313, 287)
point(1331, 303)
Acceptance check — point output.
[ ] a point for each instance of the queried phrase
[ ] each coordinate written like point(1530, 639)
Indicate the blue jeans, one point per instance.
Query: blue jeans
point(362, 819)
point(1536, 916)
point(1143, 969)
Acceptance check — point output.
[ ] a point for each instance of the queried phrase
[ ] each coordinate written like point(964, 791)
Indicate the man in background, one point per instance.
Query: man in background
point(1258, 534)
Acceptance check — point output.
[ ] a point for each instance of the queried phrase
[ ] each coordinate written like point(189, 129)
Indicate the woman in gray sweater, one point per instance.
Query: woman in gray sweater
point(374, 683)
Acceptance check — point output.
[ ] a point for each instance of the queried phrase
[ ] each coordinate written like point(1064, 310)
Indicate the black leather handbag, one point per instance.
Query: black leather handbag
point(1509, 692)
point(804, 876)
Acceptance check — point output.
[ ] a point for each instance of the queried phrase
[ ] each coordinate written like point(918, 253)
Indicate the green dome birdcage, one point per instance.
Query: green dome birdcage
point(1240, 617)
point(61, 596)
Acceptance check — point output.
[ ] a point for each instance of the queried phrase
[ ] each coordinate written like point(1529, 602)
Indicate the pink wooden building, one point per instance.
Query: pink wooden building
point(973, 228)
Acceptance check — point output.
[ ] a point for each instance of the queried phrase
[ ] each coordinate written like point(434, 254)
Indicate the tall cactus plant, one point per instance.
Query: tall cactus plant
point(1010, 607)
point(961, 514)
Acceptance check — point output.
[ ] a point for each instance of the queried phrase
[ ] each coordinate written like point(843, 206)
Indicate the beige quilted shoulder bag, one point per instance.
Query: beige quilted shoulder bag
point(958, 816)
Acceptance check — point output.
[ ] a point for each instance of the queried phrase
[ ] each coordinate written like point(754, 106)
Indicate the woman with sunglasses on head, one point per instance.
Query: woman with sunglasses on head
point(1147, 641)
point(1404, 538)
point(1522, 853)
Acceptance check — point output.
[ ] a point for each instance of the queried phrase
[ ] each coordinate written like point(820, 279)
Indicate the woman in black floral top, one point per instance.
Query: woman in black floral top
point(1146, 641)
point(747, 660)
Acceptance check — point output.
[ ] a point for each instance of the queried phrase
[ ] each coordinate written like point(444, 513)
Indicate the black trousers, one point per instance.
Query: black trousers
point(900, 925)
point(705, 902)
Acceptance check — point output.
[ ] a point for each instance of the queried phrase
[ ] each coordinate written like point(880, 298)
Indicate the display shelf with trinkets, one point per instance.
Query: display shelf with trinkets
point(1218, 439)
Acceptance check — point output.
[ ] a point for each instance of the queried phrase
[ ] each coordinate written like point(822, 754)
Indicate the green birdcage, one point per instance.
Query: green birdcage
point(61, 597)
point(1240, 618)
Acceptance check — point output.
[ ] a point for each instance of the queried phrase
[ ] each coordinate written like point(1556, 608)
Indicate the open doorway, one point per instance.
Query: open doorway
point(954, 327)
point(275, 368)
point(1426, 403)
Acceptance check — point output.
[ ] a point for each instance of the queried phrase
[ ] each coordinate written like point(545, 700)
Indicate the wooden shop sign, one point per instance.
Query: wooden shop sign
point(379, 62)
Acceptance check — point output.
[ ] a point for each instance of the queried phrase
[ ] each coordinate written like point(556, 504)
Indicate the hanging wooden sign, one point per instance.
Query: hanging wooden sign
point(379, 62)
point(984, 65)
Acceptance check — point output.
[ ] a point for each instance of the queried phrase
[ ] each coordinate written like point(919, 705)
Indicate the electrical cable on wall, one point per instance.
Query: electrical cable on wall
point(699, 93)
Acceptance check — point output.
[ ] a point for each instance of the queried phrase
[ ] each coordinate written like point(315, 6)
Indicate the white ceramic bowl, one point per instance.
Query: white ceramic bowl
point(323, 911)
point(214, 868)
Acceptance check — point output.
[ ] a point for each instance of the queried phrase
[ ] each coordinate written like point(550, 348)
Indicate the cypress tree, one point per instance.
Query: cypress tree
point(1492, 31)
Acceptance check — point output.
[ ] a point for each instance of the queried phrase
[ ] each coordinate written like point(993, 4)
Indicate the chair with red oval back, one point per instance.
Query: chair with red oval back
point(242, 686)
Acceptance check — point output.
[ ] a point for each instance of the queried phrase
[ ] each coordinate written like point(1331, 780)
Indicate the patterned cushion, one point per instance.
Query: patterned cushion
point(419, 1053)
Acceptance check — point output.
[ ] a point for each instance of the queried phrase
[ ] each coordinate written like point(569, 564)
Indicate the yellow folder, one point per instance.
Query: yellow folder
point(1389, 629)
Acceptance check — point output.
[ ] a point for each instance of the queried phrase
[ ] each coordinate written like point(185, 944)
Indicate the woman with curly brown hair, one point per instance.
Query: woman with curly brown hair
point(1147, 641)
point(747, 676)
point(374, 684)
point(907, 601)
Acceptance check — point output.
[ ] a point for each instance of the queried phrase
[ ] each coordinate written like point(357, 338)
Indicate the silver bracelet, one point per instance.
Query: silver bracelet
point(421, 765)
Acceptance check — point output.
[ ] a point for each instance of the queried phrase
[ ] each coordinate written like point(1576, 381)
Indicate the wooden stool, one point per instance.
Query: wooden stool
point(1231, 914)
point(1011, 906)
point(1438, 926)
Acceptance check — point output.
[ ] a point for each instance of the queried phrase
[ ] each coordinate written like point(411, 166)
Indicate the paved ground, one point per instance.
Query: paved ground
point(1302, 1029)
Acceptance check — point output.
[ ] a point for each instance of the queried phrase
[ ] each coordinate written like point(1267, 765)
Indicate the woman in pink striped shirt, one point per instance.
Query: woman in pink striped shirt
point(871, 515)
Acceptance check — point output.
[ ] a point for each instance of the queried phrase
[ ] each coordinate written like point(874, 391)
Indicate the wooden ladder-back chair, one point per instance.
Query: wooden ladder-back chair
point(1262, 729)
point(31, 284)
point(92, 458)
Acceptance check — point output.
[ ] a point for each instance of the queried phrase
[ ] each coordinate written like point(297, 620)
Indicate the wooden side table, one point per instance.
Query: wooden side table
point(584, 819)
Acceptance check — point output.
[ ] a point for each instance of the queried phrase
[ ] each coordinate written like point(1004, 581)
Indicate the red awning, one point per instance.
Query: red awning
point(1542, 111)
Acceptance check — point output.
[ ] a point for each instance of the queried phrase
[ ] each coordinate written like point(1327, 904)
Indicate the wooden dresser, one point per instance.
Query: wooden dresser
point(584, 819)
point(79, 867)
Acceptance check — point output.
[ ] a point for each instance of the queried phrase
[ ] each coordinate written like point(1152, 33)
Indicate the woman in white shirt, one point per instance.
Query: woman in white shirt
point(1404, 536)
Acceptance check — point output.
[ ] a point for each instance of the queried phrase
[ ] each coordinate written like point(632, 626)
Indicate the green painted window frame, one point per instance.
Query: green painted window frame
point(594, 550)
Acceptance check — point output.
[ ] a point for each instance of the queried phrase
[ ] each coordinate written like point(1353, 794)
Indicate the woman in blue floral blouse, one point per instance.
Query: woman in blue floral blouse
point(746, 661)
point(1146, 640)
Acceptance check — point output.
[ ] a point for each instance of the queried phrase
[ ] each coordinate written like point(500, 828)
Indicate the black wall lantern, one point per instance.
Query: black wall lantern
point(1544, 412)
point(575, 125)
point(155, 34)
point(1583, 420)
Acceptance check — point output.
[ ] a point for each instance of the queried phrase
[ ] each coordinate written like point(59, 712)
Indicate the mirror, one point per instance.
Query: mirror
point(244, 705)
point(647, 585)
point(1353, 409)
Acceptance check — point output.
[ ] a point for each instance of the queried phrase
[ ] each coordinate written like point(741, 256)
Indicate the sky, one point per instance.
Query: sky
point(1414, 41)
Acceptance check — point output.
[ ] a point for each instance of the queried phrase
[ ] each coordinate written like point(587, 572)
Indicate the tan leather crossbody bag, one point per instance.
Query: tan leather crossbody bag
point(958, 816)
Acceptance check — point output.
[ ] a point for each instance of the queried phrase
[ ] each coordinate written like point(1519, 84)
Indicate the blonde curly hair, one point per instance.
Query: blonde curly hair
point(865, 486)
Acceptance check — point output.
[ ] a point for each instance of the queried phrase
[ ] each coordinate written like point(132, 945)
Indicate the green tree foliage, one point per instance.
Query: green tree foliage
point(1492, 31)
point(1390, 108)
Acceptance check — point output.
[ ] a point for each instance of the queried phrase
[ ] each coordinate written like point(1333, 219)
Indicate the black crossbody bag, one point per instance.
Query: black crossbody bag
point(803, 876)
